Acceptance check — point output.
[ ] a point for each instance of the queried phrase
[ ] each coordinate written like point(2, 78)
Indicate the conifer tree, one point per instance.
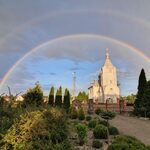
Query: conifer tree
point(146, 101)
point(141, 89)
point(51, 97)
point(67, 100)
point(58, 99)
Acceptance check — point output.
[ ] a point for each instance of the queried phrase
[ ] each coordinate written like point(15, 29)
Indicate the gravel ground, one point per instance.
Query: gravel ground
point(136, 127)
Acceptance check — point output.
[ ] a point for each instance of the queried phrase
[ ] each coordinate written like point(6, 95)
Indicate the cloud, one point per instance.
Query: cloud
point(53, 74)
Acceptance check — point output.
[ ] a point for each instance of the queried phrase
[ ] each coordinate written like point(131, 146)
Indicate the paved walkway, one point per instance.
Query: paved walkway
point(133, 127)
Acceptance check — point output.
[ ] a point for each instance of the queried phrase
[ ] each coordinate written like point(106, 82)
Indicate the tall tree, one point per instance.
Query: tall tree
point(51, 97)
point(67, 100)
point(58, 99)
point(141, 89)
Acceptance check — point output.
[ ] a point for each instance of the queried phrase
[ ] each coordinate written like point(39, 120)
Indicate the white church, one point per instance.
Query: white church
point(106, 88)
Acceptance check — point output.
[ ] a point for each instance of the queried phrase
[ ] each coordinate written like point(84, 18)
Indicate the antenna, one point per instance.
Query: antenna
point(74, 84)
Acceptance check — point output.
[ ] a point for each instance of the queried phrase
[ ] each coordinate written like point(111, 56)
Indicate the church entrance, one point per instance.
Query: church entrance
point(109, 100)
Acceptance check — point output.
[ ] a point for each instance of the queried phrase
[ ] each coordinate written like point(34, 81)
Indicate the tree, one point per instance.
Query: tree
point(58, 99)
point(146, 101)
point(51, 97)
point(34, 96)
point(82, 96)
point(67, 100)
point(141, 88)
point(2, 101)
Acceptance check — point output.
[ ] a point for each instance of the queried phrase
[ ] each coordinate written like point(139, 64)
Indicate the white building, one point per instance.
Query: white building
point(106, 88)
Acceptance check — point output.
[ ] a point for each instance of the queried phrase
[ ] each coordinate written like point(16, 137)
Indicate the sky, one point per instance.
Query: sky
point(48, 40)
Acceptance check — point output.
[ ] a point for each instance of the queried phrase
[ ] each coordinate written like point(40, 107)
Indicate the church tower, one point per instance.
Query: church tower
point(106, 88)
point(108, 81)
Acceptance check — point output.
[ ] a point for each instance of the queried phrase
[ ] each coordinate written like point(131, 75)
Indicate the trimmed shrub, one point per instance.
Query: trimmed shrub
point(104, 122)
point(88, 118)
point(82, 133)
point(108, 115)
point(100, 132)
point(97, 144)
point(73, 113)
point(81, 115)
point(127, 143)
point(98, 111)
point(113, 131)
point(92, 124)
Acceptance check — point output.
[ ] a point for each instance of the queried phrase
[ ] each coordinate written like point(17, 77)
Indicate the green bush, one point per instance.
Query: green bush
point(127, 143)
point(148, 147)
point(33, 96)
point(104, 122)
point(73, 113)
point(100, 132)
point(81, 115)
point(98, 111)
point(97, 144)
point(108, 115)
point(39, 129)
point(113, 131)
point(88, 118)
point(92, 123)
point(82, 133)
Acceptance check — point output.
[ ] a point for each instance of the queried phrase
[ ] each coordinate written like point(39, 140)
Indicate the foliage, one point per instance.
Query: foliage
point(73, 113)
point(92, 123)
point(82, 133)
point(33, 96)
point(104, 122)
point(66, 100)
point(51, 97)
point(58, 99)
point(88, 118)
point(37, 130)
point(148, 147)
point(108, 115)
point(98, 111)
point(145, 110)
point(97, 144)
point(2, 101)
point(100, 132)
point(82, 96)
point(130, 98)
point(141, 89)
point(81, 114)
point(127, 143)
point(113, 131)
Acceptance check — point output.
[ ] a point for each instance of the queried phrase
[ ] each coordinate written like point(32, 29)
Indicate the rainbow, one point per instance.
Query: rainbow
point(67, 37)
